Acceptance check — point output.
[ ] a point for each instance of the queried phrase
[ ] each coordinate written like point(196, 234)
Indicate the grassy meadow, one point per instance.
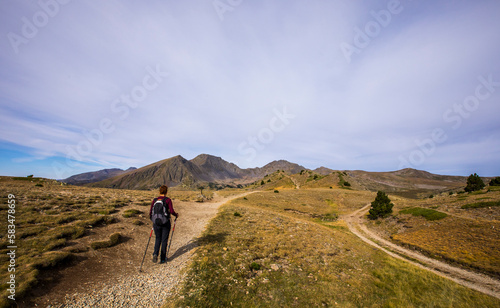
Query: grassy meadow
point(463, 229)
point(287, 249)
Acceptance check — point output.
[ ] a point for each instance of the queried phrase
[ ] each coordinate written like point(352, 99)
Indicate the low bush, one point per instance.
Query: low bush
point(426, 213)
point(495, 181)
point(255, 266)
point(477, 205)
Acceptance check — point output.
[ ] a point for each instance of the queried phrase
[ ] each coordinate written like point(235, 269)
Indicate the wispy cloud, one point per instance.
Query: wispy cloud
point(225, 78)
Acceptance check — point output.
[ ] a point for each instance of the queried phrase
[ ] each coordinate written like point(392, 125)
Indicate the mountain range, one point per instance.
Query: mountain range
point(203, 168)
point(215, 171)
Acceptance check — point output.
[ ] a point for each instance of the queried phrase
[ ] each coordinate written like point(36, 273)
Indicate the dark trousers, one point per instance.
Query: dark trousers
point(161, 234)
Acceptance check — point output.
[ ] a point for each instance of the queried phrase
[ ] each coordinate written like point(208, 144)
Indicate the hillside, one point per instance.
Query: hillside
point(407, 182)
point(95, 176)
point(178, 171)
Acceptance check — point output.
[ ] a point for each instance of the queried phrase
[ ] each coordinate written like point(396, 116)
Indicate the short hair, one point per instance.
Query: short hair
point(163, 190)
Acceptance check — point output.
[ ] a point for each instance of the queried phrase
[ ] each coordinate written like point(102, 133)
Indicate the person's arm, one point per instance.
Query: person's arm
point(151, 208)
point(171, 208)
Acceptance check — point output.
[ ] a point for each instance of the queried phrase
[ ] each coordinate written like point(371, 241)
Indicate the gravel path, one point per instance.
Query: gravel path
point(476, 281)
point(157, 281)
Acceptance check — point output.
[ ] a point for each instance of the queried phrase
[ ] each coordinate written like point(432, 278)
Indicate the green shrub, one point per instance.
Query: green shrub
point(329, 217)
point(495, 181)
point(426, 213)
point(255, 266)
point(477, 205)
point(276, 191)
point(474, 182)
point(237, 214)
point(381, 206)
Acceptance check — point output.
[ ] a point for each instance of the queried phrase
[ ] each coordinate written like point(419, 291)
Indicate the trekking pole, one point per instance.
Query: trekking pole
point(171, 236)
point(151, 233)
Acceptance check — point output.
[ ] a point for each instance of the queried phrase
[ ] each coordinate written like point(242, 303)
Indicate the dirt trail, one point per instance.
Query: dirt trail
point(112, 277)
point(295, 182)
point(476, 281)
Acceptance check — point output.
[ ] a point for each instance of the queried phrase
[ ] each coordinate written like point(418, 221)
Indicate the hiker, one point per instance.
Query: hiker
point(162, 229)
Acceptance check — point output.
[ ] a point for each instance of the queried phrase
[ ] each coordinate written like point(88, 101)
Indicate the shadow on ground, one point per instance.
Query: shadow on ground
point(204, 240)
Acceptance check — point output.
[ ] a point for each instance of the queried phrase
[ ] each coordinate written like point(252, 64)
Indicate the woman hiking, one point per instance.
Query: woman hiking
point(159, 213)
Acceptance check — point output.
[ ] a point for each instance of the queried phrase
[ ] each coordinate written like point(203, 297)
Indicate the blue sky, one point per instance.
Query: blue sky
point(371, 85)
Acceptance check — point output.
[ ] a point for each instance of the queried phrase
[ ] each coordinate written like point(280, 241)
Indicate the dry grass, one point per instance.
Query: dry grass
point(468, 242)
point(189, 195)
point(230, 192)
point(464, 235)
point(267, 256)
point(112, 241)
point(310, 179)
point(278, 180)
point(51, 220)
point(312, 203)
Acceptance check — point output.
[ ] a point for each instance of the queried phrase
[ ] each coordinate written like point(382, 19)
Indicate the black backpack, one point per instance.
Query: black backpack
point(160, 213)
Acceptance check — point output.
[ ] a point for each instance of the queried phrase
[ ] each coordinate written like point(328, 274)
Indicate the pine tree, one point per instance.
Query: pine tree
point(495, 181)
point(381, 207)
point(474, 182)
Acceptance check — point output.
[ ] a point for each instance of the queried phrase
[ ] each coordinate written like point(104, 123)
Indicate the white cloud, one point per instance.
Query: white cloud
point(226, 78)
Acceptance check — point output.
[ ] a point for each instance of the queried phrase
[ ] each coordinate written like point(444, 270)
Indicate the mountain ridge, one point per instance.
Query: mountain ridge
point(95, 176)
point(208, 169)
point(204, 168)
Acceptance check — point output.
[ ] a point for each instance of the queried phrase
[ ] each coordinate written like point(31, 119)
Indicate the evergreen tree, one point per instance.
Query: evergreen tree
point(495, 181)
point(381, 207)
point(474, 183)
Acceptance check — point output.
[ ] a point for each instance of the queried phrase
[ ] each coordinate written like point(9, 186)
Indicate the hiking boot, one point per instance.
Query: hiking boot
point(155, 258)
point(163, 261)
